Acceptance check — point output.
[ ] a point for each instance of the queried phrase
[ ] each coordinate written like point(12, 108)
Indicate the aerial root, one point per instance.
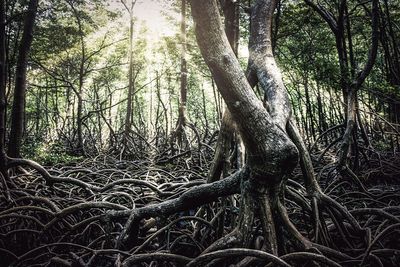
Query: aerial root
point(65, 225)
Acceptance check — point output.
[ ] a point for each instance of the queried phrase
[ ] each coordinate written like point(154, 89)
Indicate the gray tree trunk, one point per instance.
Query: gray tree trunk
point(271, 153)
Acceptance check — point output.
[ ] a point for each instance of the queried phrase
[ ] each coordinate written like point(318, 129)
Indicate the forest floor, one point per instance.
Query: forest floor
point(77, 219)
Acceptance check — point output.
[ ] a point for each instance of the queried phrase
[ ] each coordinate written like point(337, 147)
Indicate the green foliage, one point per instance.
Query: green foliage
point(81, 50)
point(49, 154)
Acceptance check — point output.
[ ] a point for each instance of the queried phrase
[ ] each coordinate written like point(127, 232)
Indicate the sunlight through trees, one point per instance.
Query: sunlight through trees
point(199, 133)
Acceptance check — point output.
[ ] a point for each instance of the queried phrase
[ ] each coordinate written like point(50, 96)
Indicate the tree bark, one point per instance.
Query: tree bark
point(271, 153)
point(79, 114)
point(18, 109)
point(394, 55)
point(183, 91)
point(349, 84)
point(355, 86)
point(231, 14)
point(179, 133)
point(131, 88)
point(221, 161)
point(3, 79)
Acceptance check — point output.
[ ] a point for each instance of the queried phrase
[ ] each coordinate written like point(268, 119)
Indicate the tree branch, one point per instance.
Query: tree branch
point(325, 14)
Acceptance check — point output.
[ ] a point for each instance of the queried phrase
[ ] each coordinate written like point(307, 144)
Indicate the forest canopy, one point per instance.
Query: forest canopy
point(199, 133)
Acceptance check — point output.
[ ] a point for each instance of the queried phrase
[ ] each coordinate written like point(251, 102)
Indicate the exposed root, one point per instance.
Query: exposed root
point(82, 218)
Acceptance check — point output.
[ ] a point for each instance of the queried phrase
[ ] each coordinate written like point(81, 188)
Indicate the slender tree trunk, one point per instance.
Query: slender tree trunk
point(46, 103)
point(180, 130)
point(79, 114)
point(18, 109)
point(164, 106)
point(206, 134)
point(184, 71)
point(355, 86)
point(3, 84)
point(392, 55)
point(128, 115)
point(349, 84)
point(309, 111)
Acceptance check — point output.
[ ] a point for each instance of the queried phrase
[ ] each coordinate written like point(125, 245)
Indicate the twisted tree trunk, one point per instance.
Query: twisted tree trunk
point(271, 153)
point(221, 162)
point(272, 141)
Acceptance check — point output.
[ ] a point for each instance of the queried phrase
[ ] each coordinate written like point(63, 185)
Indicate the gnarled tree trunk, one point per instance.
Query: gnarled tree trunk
point(221, 161)
point(271, 154)
point(272, 141)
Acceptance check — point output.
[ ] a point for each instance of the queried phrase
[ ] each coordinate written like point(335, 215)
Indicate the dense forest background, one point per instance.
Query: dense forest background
point(125, 142)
